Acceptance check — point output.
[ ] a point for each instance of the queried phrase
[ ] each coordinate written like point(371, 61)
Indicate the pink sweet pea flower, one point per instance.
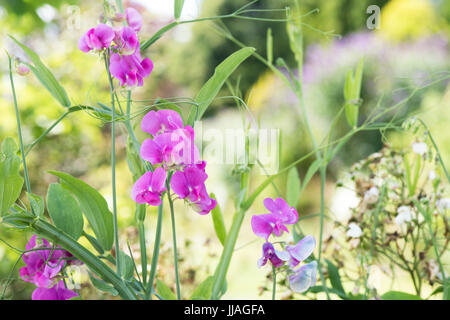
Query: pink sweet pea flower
point(277, 258)
point(134, 19)
point(42, 266)
point(172, 148)
point(126, 40)
point(304, 277)
point(97, 38)
point(189, 184)
point(130, 69)
point(57, 292)
point(148, 188)
point(162, 121)
point(301, 251)
point(274, 222)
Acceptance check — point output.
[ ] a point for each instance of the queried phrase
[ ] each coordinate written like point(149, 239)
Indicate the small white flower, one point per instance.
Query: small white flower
point(419, 148)
point(354, 231)
point(443, 204)
point(371, 196)
point(432, 175)
point(403, 215)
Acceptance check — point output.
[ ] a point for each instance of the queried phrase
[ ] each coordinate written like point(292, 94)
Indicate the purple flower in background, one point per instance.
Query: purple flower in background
point(42, 266)
point(126, 40)
point(156, 122)
point(97, 38)
point(277, 258)
point(304, 277)
point(134, 19)
point(130, 69)
point(57, 292)
point(301, 251)
point(148, 188)
point(274, 222)
point(171, 148)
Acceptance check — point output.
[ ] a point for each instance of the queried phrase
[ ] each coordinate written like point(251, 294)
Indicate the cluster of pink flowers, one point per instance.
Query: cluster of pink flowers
point(172, 147)
point(125, 61)
point(43, 268)
point(274, 223)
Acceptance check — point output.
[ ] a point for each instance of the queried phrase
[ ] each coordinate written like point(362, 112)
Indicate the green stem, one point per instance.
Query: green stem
point(155, 252)
point(19, 129)
point(174, 239)
point(113, 167)
point(274, 284)
point(143, 247)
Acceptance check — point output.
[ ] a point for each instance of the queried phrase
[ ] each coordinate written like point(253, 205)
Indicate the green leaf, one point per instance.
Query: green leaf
point(127, 266)
point(164, 291)
point(309, 174)
point(11, 181)
point(36, 203)
point(97, 246)
point(178, 8)
point(45, 76)
point(211, 88)
point(219, 224)
point(102, 285)
point(94, 207)
point(335, 278)
point(398, 295)
point(204, 289)
point(293, 187)
point(269, 46)
point(64, 210)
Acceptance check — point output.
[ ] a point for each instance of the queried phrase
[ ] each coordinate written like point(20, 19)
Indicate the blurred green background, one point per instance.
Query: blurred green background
point(410, 49)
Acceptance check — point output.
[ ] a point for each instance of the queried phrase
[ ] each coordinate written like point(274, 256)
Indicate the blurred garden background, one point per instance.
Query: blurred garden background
point(409, 50)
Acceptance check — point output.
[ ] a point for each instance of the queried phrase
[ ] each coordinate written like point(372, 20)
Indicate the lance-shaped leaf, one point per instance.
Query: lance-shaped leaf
point(45, 76)
point(94, 207)
point(211, 88)
point(178, 7)
point(64, 210)
point(10, 180)
point(36, 204)
point(293, 186)
point(203, 291)
point(164, 291)
point(219, 224)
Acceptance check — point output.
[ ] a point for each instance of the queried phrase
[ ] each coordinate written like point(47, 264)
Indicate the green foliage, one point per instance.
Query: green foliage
point(94, 207)
point(127, 266)
point(211, 88)
point(204, 289)
point(164, 291)
point(64, 210)
point(11, 181)
point(335, 278)
point(45, 76)
point(398, 295)
point(178, 7)
point(37, 204)
point(102, 285)
point(293, 187)
point(219, 224)
point(352, 90)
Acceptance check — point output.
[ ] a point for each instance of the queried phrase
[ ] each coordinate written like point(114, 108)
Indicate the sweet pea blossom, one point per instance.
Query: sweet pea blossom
point(130, 69)
point(57, 292)
point(22, 70)
point(189, 184)
point(148, 188)
point(277, 258)
point(162, 121)
point(134, 19)
point(42, 266)
point(304, 277)
point(126, 40)
point(172, 148)
point(301, 251)
point(97, 38)
point(354, 231)
point(274, 222)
